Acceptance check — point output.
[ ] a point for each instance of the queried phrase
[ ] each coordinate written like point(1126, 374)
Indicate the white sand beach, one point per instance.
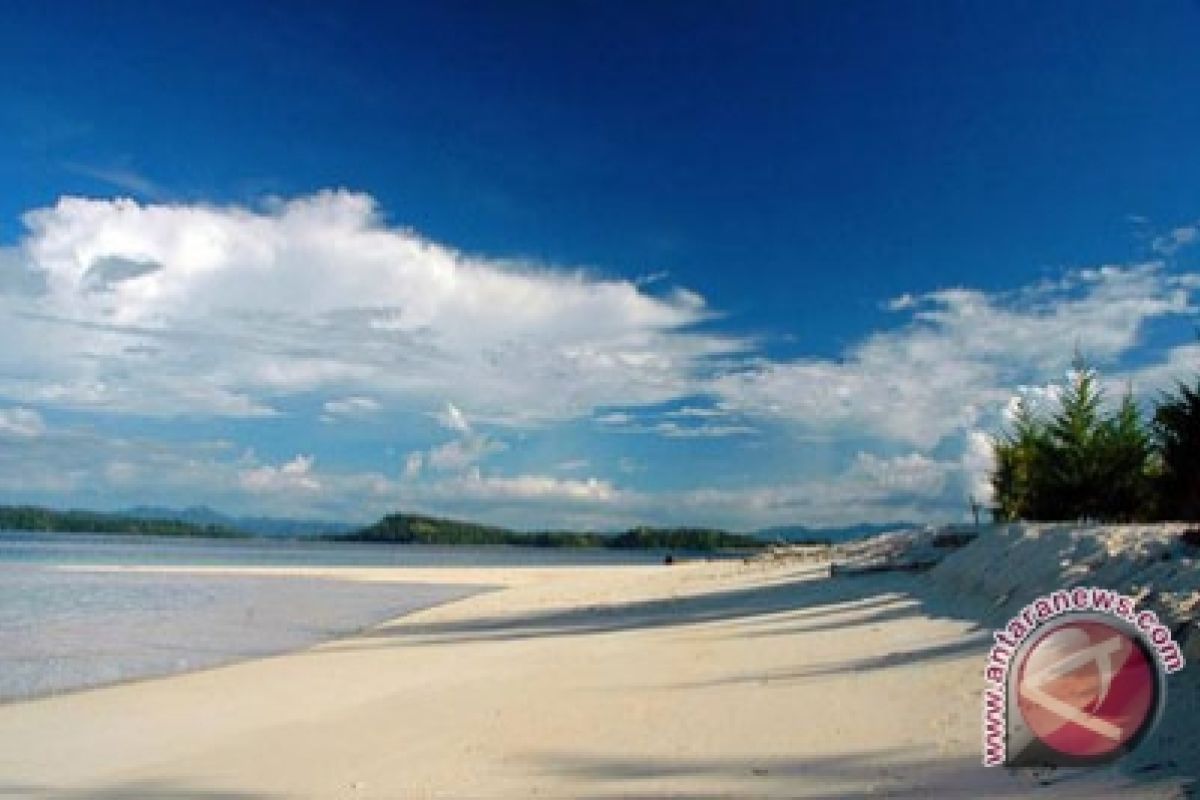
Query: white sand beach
point(698, 680)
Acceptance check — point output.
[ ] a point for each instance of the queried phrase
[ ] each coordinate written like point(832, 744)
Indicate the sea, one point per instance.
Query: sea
point(68, 621)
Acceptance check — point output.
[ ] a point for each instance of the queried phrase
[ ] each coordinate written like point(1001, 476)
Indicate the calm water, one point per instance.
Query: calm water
point(68, 629)
point(79, 549)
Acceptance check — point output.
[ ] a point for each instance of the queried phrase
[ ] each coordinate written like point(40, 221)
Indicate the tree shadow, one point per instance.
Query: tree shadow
point(810, 595)
point(896, 610)
point(136, 790)
point(896, 773)
point(901, 658)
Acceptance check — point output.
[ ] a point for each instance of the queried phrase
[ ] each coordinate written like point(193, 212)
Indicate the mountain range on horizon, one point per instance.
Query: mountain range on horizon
point(283, 527)
point(292, 527)
point(841, 533)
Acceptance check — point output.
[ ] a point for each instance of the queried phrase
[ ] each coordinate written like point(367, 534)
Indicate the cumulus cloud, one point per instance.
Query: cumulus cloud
point(457, 455)
point(1180, 364)
point(913, 473)
point(461, 453)
point(295, 475)
point(85, 467)
point(960, 355)
point(198, 311)
point(872, 488)
point(105, 471)
point(978, 461)
point(204, 310)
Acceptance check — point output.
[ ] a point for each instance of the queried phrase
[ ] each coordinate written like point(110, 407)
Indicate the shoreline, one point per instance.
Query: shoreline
point(703, 679)
point(116, 625)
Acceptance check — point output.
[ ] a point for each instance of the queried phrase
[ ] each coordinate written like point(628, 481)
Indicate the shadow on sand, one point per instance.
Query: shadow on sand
point(139, 790)
point(815, 603)
point(804, 603)
point(899, 773)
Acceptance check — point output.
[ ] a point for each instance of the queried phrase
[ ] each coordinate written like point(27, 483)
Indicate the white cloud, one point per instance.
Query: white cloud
point(673, 430)
point(696, 412)
point(958, 358)
point(228, 309)
point(295, 475)
point(913, 473)
point(117, 307)
point(686, 422)
point(873, 488)
point(615, 418)
point(453, 419)
point(122, 178)
point(978, 460)
point(1181, 364)
point(352, 406)
point(531, 487)
point(651, 278)
point(1170, 243)
point(413, 463)
point(82, 467)
point(22, 423)
point(459, 454)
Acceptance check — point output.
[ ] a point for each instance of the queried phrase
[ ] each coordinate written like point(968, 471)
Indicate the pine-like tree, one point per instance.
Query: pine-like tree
point(1080, 463)
point(1177, 434)
point(1125, 452)
point(1072, 483)
point(1019, 465)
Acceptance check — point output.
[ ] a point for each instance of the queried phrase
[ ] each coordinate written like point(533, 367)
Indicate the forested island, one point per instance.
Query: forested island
point(419, 529)
point(48, 520)
point(392, 529)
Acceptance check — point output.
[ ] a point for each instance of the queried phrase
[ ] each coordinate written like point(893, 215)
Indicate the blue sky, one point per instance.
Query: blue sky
point(578, 263)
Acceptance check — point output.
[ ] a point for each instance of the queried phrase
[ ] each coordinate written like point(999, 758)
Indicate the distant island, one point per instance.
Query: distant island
point(47, 520)
point(419, 529)
point(802, 534)
point(392, 529)
point(281, 527)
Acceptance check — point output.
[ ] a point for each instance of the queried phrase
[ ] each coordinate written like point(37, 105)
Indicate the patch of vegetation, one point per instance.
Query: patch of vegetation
point(419, 529)
point(1082, 463)
point(643, 538)
point(1177, 435)
point(35, 518)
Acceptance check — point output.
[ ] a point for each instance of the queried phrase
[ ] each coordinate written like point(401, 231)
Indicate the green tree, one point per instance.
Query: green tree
point(1019, 457)
point(1125, 451)
point(1177, 435)
point(1079, 463)
point(1071, 484)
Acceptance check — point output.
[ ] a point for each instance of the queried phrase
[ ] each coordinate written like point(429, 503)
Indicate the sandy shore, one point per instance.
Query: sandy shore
point(701, 680)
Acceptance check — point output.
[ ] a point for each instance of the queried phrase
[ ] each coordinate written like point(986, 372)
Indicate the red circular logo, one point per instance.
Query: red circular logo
point(1087, 689)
